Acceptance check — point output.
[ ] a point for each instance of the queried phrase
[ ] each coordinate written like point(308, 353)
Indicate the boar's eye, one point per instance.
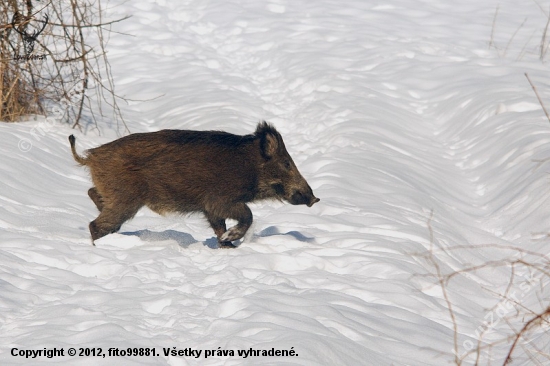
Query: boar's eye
point(287, 164)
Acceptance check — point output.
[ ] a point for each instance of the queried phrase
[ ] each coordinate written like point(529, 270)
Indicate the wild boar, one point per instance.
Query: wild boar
point(213, 172)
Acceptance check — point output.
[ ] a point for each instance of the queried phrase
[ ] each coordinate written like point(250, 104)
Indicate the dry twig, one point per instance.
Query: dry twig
point(538, 96)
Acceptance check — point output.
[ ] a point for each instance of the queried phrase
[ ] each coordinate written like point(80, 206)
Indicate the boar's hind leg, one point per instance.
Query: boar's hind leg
point(111, 219)
point(243, 215)
point(96, 197)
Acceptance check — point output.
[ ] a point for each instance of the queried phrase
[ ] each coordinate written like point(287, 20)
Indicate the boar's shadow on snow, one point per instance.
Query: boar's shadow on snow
point(273, 230)
point(212, 172)
point(184, 240)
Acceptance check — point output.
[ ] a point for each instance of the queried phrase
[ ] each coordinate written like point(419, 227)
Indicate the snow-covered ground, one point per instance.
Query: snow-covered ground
point(412, 120)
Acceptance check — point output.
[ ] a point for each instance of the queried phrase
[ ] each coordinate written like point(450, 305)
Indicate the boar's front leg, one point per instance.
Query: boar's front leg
point(243, 215)
point(239, 212)
point(219, 228)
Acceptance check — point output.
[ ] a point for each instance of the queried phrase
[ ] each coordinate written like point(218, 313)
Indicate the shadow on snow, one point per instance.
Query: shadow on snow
point(184, 240)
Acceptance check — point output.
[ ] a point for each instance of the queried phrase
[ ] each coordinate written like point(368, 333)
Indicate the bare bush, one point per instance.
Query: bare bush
point(515, 329)
point(53, 56)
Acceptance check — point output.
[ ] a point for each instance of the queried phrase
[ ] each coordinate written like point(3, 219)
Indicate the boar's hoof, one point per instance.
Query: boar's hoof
point(226, 245)
point(232, 234)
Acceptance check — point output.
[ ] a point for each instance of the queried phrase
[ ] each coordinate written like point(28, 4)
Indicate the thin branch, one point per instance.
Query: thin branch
point(98, 25)
point(538, 96)
point(443, 289)
point(529, 324)
point(491, 42)
point(512, 38)
point(543, 46)
point(83, 60)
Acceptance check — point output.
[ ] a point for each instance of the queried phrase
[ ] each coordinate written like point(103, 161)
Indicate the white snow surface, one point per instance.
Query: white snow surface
point(394, 111)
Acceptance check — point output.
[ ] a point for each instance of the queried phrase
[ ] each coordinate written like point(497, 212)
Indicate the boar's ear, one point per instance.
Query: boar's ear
point(269, 140)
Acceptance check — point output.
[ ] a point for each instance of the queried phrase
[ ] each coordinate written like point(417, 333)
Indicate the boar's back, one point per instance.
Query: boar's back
point(192, 169)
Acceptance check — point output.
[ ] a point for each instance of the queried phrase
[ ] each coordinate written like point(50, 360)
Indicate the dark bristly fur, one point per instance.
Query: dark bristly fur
point(212, 172)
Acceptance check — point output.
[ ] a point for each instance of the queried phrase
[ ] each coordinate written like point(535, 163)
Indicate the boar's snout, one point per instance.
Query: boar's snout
point(315, 200)
point(303, 198)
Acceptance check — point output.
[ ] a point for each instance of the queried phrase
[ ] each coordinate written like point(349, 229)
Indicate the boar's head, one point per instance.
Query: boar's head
point(279, 177)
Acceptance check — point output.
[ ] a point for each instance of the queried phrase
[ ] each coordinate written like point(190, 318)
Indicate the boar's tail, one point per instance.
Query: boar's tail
point(79, 159)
